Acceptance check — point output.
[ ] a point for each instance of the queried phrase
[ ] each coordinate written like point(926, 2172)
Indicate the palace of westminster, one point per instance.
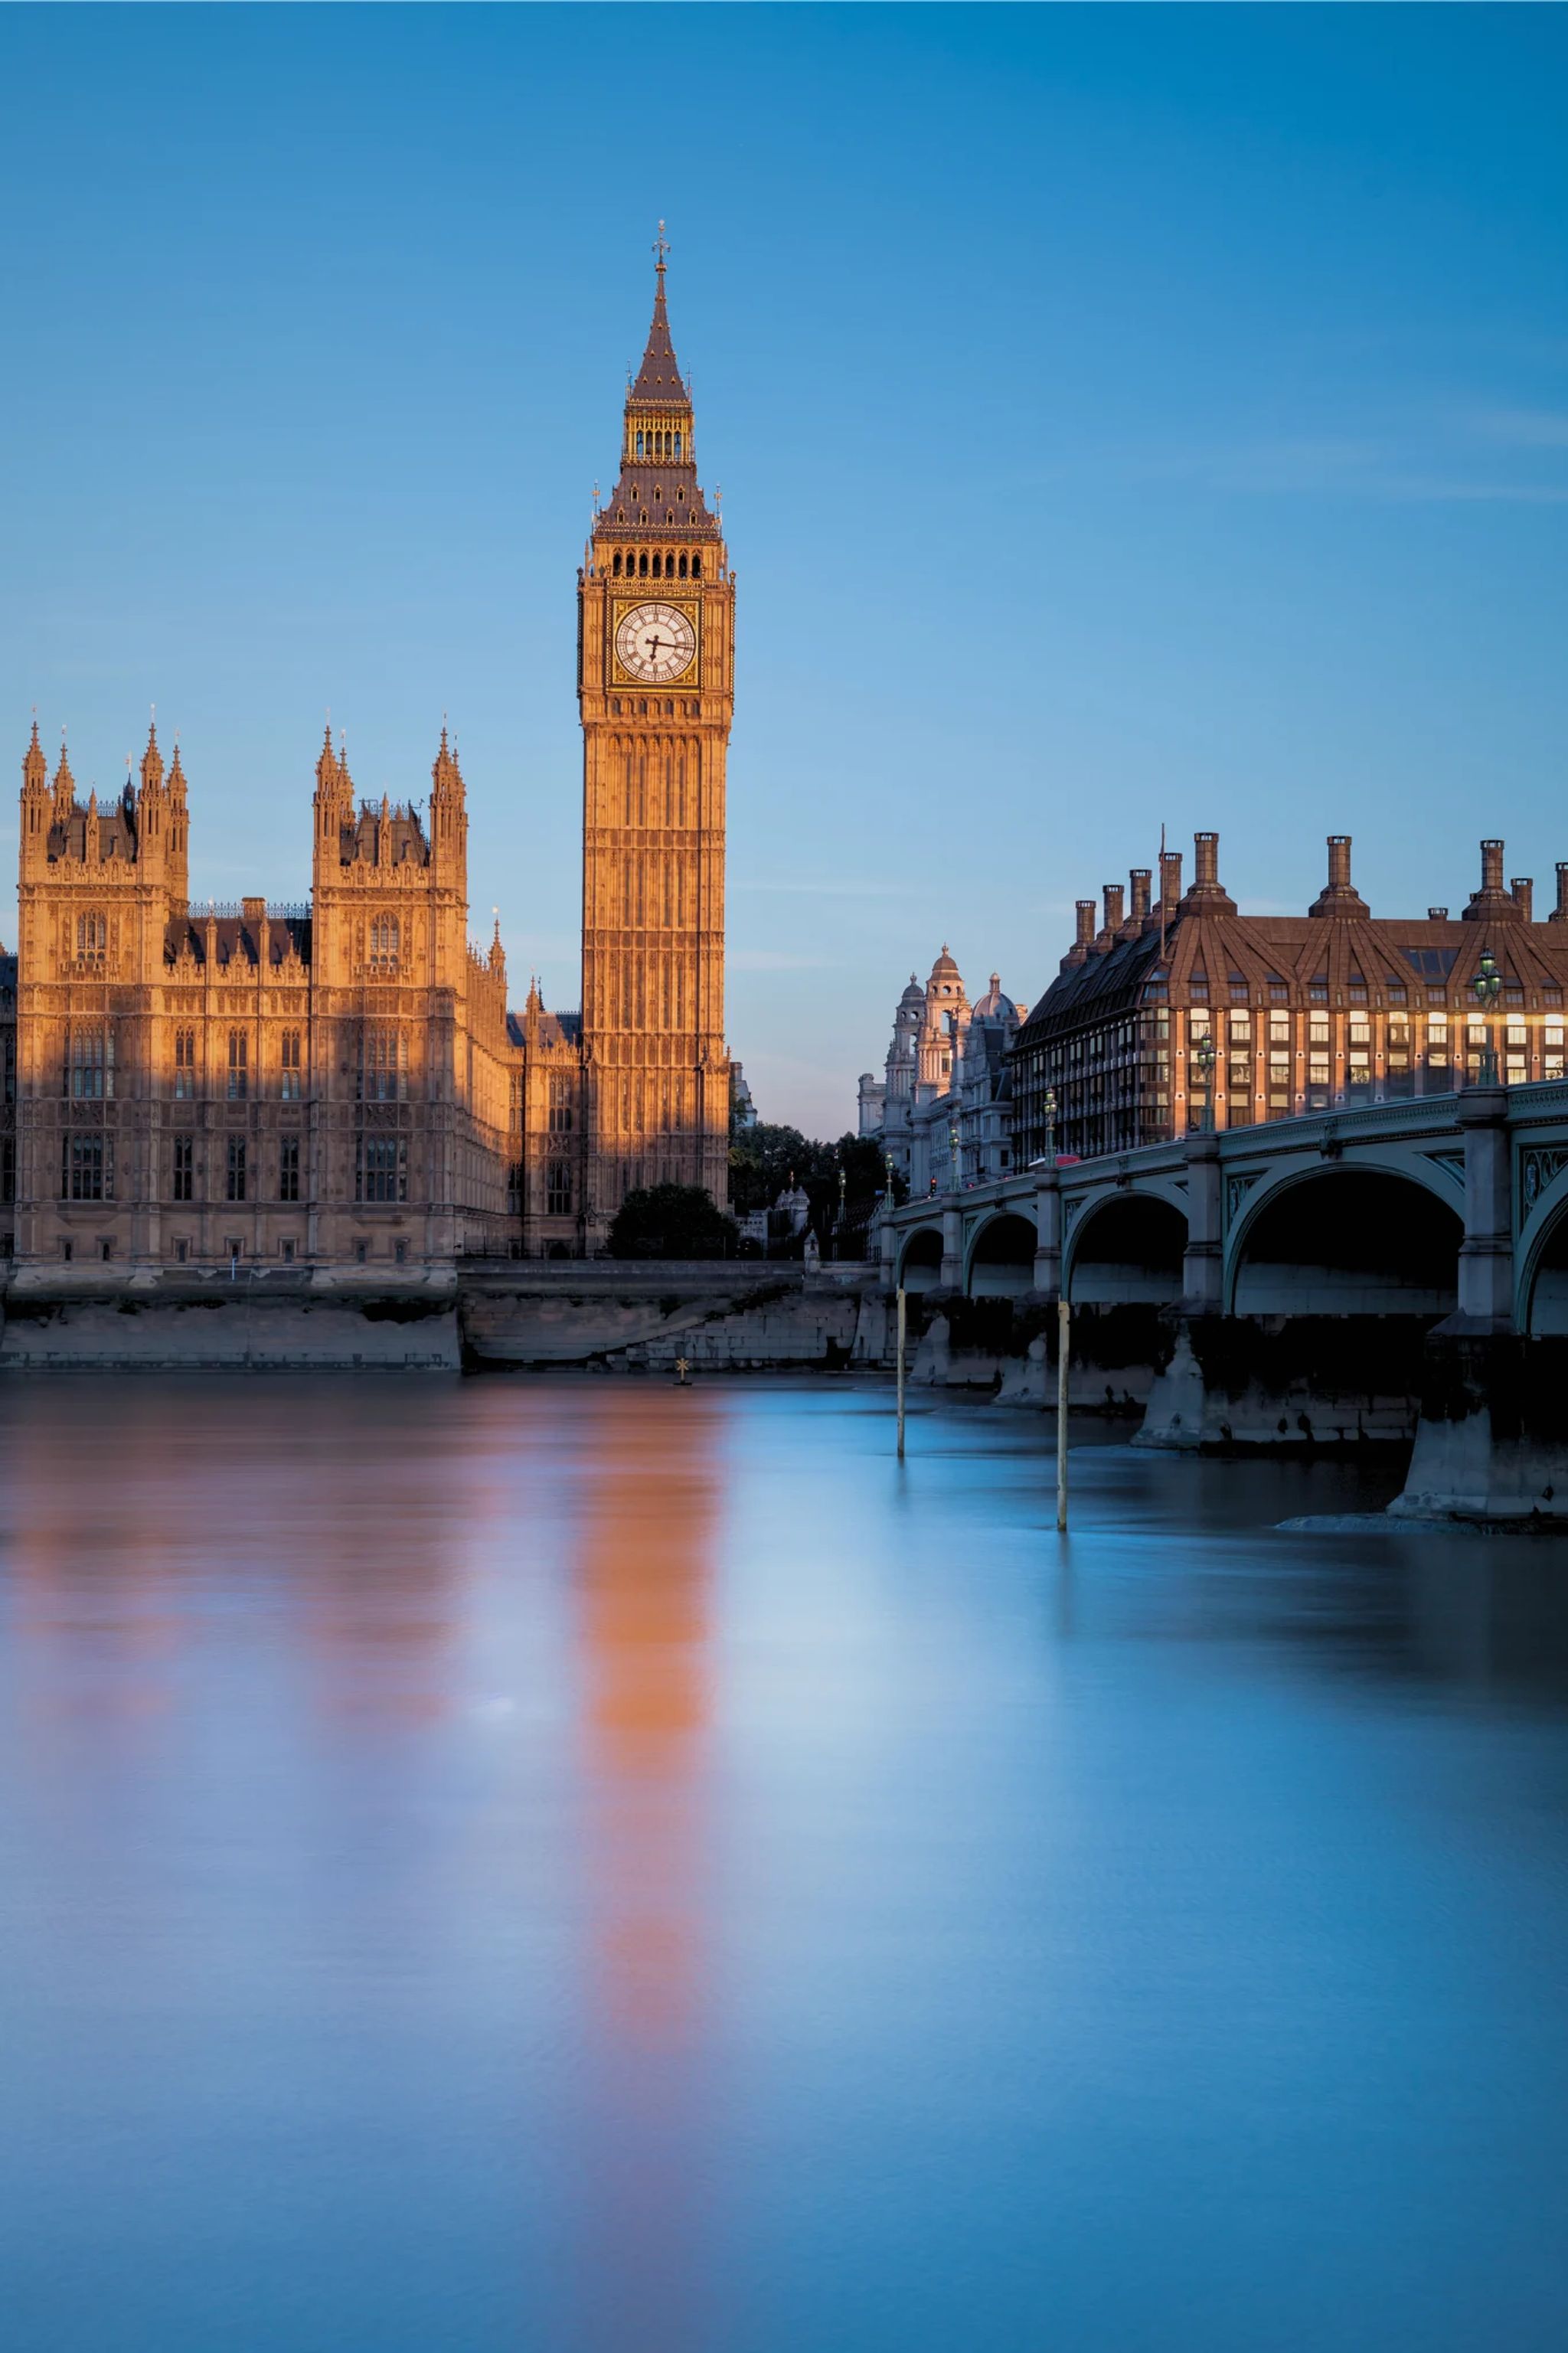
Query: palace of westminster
point(341, 1083)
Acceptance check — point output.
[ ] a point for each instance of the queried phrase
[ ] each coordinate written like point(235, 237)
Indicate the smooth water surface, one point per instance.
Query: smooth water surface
point(584, 1864)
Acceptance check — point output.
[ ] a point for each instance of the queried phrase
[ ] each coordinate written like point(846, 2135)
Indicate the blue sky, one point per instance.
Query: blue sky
point(1124, 417)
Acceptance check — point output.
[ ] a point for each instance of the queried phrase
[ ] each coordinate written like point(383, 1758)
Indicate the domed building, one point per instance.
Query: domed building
point(944, 1087)
point(885, 1102)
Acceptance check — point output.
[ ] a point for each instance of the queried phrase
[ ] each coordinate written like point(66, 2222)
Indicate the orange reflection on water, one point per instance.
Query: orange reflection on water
point(645, 1571)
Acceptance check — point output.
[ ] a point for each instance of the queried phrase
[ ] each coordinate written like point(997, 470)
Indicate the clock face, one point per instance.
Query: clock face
point(655, 642)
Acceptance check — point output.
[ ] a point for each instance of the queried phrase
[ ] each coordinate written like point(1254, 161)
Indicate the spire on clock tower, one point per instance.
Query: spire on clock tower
point(657, 492)
point(660, 377)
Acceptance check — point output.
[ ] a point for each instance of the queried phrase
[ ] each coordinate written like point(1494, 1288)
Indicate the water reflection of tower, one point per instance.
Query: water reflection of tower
point(644, 1579)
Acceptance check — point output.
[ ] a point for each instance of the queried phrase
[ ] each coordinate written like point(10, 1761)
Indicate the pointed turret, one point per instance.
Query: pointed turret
point(34, 767)
point(334, 804)
point(152, 761)
point(35, 803)
point(449, 813)
point(178, 839)
point(326, 765)
point(446, 777)
point(64, 786)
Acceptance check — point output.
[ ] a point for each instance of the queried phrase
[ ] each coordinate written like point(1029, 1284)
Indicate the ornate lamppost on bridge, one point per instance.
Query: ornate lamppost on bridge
point(1489, 988)
point(1048, 1111)
point(1203, 1055)
point(952, 1159)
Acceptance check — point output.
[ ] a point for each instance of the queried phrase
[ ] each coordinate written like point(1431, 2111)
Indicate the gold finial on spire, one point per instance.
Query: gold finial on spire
point(660, 248)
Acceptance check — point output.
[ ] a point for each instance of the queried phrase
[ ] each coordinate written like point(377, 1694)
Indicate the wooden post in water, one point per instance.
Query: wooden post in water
point(1063, 1342)
point(903, 1320)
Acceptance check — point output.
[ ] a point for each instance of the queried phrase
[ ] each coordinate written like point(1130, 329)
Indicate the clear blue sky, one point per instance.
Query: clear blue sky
point(1124, 416)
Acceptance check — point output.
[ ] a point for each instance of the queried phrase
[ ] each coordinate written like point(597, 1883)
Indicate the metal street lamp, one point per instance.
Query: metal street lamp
point(1049, 1108)
point(1489, 988)
point(953, 1157)
point(1203, 1055)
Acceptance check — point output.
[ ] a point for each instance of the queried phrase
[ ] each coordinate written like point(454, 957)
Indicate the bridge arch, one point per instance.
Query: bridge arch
point(1125, 1249)
point(1346, 1239)
point(920, 1259)
point(1543, 1285)
point(999, 1262)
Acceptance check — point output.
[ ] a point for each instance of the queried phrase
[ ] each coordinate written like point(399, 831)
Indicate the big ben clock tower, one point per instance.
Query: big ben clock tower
point(655, 609)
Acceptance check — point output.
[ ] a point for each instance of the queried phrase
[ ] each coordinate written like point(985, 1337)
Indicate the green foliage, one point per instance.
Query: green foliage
point(764, 1158)
point(671, 1221)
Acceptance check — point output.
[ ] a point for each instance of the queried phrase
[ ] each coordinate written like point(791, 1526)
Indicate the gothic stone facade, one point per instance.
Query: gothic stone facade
point(340, 1084)
point(256, 1084)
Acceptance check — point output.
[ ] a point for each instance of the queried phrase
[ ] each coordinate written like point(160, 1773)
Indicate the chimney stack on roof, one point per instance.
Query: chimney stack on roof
point(1522, 892)
point(1339, 895)
point(1492, 900)
point(1437, 915)
point(1170, 880)
point(1139, 880)
point(1078, 952)
point(1207, 893)
point(1560, 913)
point(1114, 897)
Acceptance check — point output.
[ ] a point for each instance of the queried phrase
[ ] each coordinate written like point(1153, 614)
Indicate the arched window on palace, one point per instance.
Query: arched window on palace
point(89, 1076)
point(91, 937)
point(384, 1064)
point(383, 936)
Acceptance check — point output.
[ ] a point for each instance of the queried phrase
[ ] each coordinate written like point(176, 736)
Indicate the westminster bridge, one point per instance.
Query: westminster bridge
point(1397, 1272)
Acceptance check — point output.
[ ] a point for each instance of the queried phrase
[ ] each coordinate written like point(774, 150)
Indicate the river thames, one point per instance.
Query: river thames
point(586, 1864)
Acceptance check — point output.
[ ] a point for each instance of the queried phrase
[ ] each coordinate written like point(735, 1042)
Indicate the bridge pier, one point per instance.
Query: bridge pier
point(952, 1275)
point(1492, 1439)
point(1182, 1413)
